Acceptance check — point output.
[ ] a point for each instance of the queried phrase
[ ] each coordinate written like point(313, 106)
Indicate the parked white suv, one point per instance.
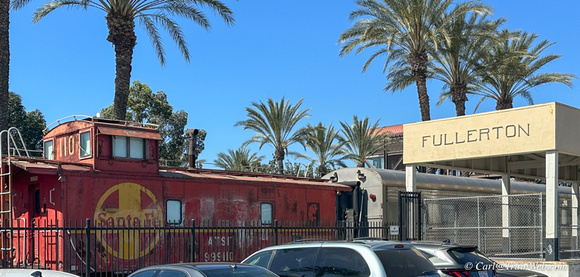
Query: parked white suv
point(360, 258)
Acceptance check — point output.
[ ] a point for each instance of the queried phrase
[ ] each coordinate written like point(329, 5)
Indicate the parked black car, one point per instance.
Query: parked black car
point(459, 260)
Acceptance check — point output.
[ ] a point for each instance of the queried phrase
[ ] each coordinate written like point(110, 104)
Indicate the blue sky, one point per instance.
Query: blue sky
point(63, 65)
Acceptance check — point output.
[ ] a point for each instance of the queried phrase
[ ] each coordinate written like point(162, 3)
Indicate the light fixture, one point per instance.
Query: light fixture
point(360, 175)
point(334, 177)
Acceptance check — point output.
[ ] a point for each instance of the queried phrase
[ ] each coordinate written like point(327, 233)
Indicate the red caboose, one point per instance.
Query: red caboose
point(108, 172)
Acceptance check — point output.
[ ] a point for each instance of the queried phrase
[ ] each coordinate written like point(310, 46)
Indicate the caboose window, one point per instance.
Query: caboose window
point(174, 213)
point(48, 150)
point(85, 144)
point(266, 213)
point(137, 147)
point(37, 202)
point(125, 147)
point(120, 147)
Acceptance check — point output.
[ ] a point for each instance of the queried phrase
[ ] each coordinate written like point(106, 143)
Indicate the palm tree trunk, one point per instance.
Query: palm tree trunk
point(122, 35)
point(459, 97)
point(504, 103)
point(419, 70)
point(4, 62)
point(322, 170)
point(279, 156)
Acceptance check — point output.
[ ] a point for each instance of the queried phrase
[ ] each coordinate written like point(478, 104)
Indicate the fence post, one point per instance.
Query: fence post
point(418, 216)
point(478, 223)
point(32, 241)
point(401, 228)
point(542, 227)
point(57, 235)
point(193, 240)
point(276, 232)
point(88, 248)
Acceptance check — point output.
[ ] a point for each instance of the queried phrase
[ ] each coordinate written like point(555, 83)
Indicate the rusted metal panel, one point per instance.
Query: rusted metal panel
point(136, 133)
point(251, 177)
point(68, 127)
point(48, 168)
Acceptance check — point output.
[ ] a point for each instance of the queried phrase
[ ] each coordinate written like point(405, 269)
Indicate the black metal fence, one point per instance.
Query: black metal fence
point(410, 215)
point(87, 250)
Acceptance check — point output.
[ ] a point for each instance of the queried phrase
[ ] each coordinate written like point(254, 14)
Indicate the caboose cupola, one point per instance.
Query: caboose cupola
point(106, 144)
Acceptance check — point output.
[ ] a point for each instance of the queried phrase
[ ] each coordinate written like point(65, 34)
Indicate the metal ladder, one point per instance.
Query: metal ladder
point(11, 145)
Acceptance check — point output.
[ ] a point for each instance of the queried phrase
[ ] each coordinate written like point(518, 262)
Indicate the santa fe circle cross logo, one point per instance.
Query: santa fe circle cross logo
point(128, 205)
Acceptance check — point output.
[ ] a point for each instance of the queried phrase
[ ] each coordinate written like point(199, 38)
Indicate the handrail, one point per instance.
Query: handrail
point(67, 118)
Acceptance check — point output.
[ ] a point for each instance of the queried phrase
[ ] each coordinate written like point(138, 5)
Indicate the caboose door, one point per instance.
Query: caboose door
point(28, 236)
point(39, 238)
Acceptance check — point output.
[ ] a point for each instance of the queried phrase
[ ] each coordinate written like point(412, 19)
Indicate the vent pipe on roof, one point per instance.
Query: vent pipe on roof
point(192, 136)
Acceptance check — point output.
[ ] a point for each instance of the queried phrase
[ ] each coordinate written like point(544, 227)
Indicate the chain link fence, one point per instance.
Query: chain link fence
point(568, 236)
point(480, 221)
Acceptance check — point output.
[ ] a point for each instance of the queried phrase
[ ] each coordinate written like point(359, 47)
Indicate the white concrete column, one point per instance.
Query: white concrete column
point(552, 206)
point(575, 198)
point(505, 212)
point(410, 177)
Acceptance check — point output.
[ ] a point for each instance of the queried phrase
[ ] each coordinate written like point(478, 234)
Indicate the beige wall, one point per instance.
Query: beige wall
point(499, 133)
point(568, 130)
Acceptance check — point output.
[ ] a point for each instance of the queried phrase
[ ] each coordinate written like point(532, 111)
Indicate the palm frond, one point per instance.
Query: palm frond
point(154, 37)
point(274, 124)
point(511, 68)
point(51, 6)
point(176, 33)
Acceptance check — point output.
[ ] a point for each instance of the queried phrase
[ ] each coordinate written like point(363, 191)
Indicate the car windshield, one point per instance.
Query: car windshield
point(295, 261)
point(238, 271)
point(405, 262)
point(259, 259)
point(468, 255)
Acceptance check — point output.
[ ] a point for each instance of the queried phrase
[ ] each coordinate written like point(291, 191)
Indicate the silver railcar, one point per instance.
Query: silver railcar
point(381, 188)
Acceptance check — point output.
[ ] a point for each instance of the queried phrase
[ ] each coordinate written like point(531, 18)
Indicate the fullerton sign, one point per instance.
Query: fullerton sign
point(551, 126)
point(476, 135)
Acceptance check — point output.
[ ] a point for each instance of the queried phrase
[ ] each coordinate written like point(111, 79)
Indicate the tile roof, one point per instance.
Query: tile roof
point(393, 129)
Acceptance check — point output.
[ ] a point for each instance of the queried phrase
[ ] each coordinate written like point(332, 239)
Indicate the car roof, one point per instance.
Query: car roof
point(373, 244)
point(201, 266)
point(20, 272)
point(438, 245)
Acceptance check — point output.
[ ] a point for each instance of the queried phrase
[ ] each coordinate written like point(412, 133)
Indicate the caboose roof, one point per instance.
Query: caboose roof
point(48, 167)
point(104, 126)
point(248, 176)
point(54, 167)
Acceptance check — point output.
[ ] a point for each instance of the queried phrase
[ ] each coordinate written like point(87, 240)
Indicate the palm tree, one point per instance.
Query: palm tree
point(238, 160)
point(458, 56)
point(323, 143)
point(361, 140)
point(4, 62)
point(274, 124)
point(510, 69)
point(121, 16)
point(408, 32)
